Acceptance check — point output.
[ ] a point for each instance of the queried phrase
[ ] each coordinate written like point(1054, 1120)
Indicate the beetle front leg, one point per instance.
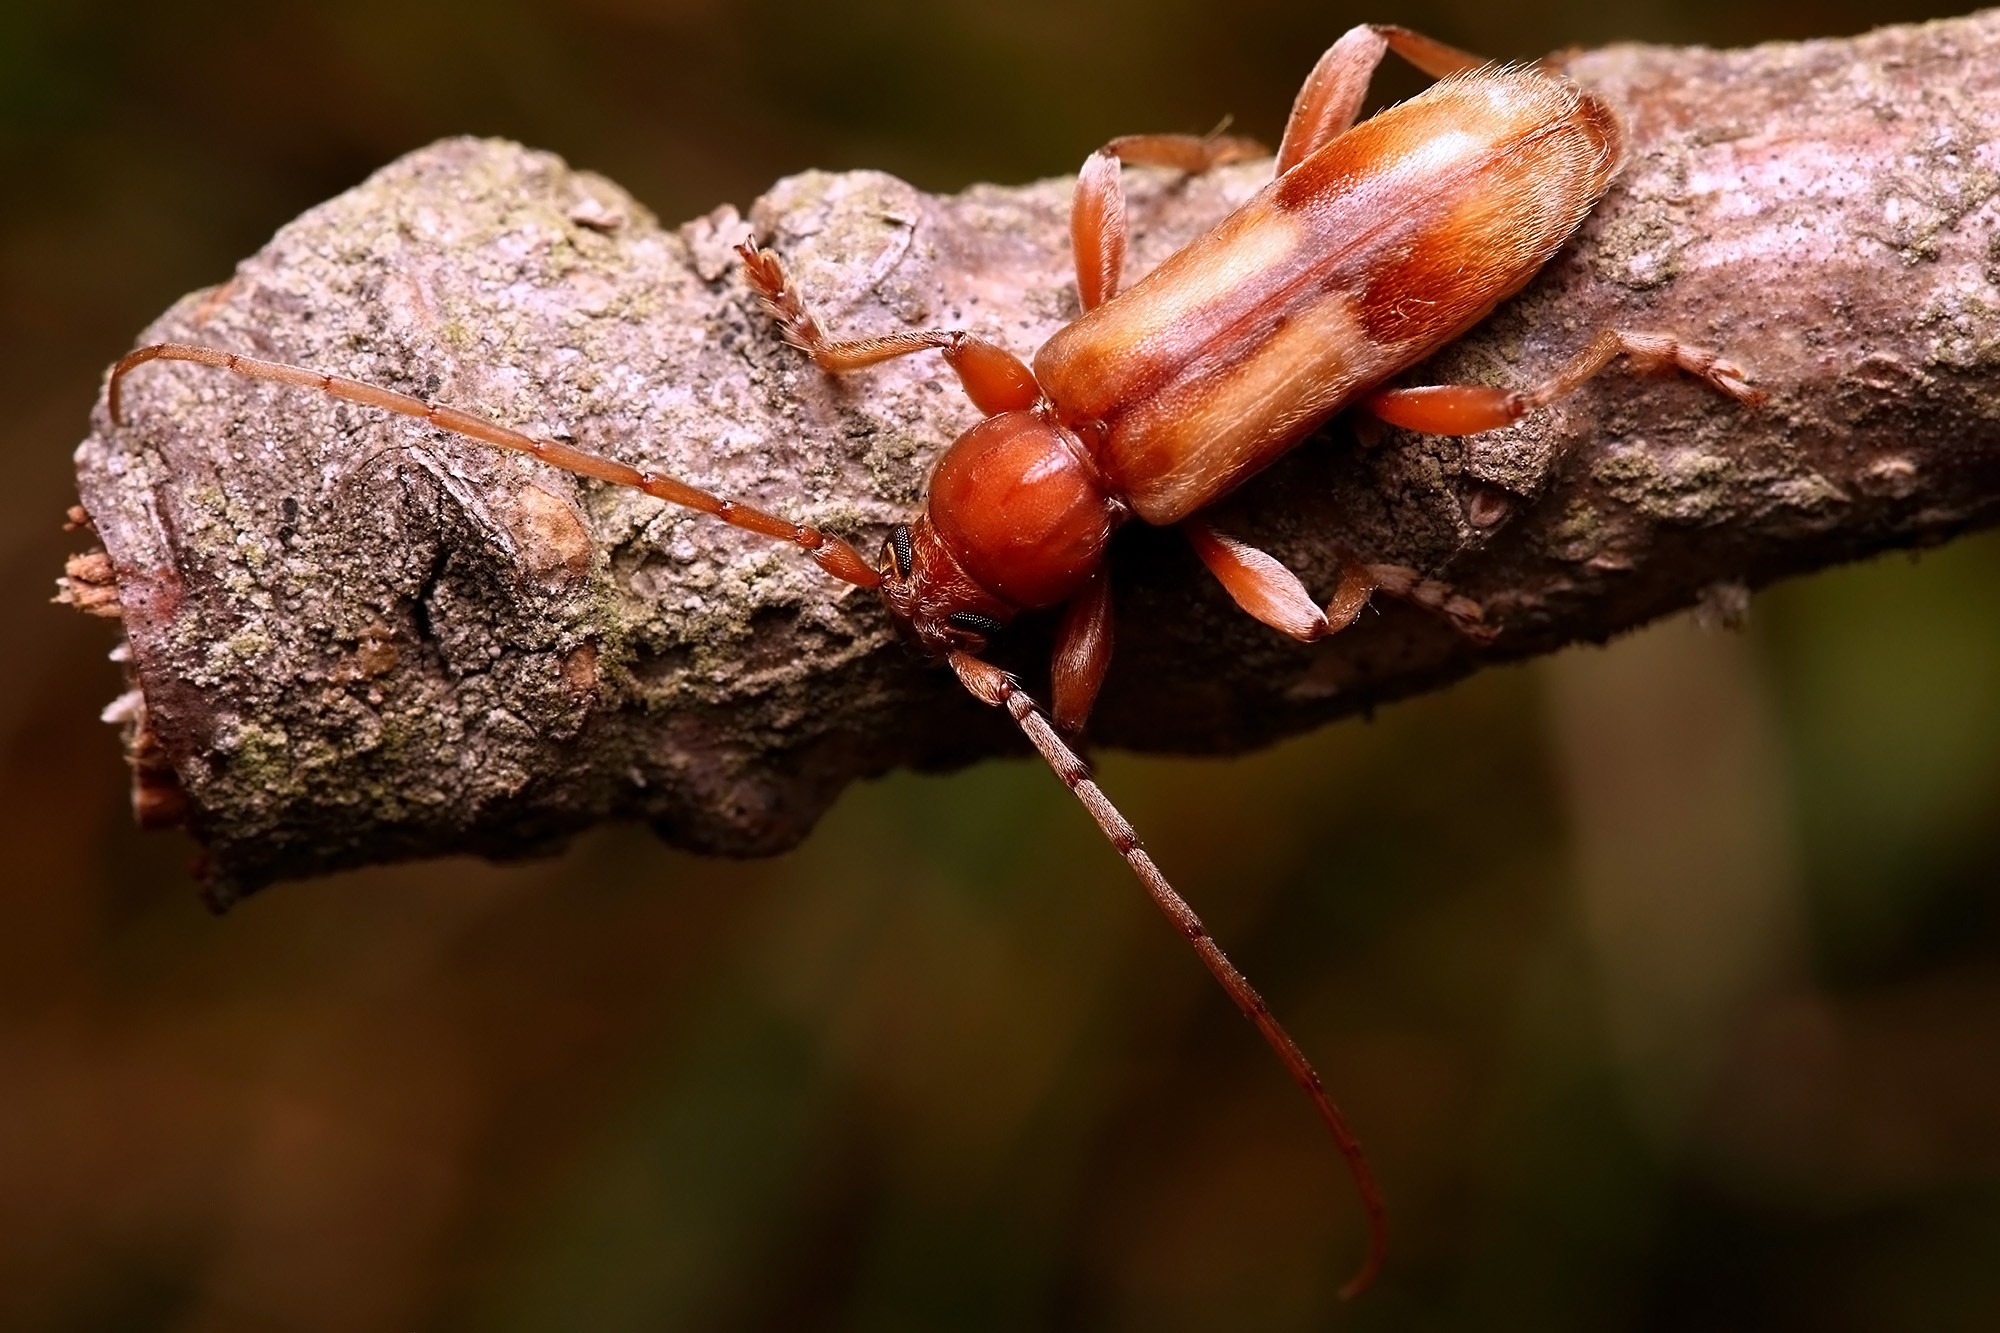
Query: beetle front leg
point(1083, 653)
point(994, 378)
point(1467, 409)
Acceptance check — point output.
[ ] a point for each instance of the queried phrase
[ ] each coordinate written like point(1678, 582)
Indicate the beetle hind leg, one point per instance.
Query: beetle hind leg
point(1468, 409)
point(1405, 584)
point(1428, 55)
point(1273, 594)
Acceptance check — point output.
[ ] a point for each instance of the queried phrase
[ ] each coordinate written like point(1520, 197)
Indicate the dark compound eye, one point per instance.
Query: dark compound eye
point(899, 546)
point(973, 622)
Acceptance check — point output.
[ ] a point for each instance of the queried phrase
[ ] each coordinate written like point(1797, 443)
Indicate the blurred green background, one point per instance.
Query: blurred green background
point(1663, 981)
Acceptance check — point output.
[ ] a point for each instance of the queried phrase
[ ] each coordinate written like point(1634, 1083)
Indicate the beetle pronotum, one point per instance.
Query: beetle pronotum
point(1374, 245)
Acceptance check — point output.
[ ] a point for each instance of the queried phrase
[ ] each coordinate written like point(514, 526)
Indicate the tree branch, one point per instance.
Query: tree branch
point(358, 640)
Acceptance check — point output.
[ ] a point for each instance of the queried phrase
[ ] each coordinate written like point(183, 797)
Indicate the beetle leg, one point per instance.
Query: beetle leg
point(994, 378)
point(1097, 230)
point(1465, 615)
point(1330, 99)
point(1097, 210)
point(1273, 594)
point(1428, 54)
point(1083, 652)
point(1193, 153)
point(1467, 409)
point(1327, 105)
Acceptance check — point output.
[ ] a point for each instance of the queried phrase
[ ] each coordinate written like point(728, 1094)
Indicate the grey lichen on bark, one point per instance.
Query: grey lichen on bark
point(355, 639)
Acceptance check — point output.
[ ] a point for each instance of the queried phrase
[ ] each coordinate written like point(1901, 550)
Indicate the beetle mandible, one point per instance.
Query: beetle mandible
point(1375, 245)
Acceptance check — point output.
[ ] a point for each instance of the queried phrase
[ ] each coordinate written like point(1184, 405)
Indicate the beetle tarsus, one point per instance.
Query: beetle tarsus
point(1466, 616)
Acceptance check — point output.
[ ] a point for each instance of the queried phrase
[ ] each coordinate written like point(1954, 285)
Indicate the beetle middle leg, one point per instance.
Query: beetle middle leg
point(1097, 226)
point(1468, 409)
point(1329, 101)
point(1327, 105)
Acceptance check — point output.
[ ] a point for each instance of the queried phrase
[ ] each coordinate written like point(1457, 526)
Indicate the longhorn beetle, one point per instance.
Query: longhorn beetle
point(1375, 245)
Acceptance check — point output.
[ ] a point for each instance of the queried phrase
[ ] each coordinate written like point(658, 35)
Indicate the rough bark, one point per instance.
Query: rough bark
point(355, 639)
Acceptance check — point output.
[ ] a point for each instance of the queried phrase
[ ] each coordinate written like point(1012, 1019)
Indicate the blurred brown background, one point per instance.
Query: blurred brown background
point(1663, 982)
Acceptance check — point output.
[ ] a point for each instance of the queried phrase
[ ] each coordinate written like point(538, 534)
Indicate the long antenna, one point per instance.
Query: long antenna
point(830, 553)
point(986, 682)
point(989, 684)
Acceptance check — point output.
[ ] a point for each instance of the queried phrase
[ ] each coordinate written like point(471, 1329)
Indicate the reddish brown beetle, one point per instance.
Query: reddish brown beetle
point(1374, 246)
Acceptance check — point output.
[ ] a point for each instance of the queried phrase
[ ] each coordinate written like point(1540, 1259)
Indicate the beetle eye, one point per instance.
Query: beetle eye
point(973, 622)
point(899, 547)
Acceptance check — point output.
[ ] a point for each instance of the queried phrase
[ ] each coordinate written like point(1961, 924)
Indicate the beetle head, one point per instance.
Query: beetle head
point(933, 599)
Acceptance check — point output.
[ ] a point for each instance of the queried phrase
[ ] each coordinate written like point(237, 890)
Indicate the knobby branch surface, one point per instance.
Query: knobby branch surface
point(355, 639)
